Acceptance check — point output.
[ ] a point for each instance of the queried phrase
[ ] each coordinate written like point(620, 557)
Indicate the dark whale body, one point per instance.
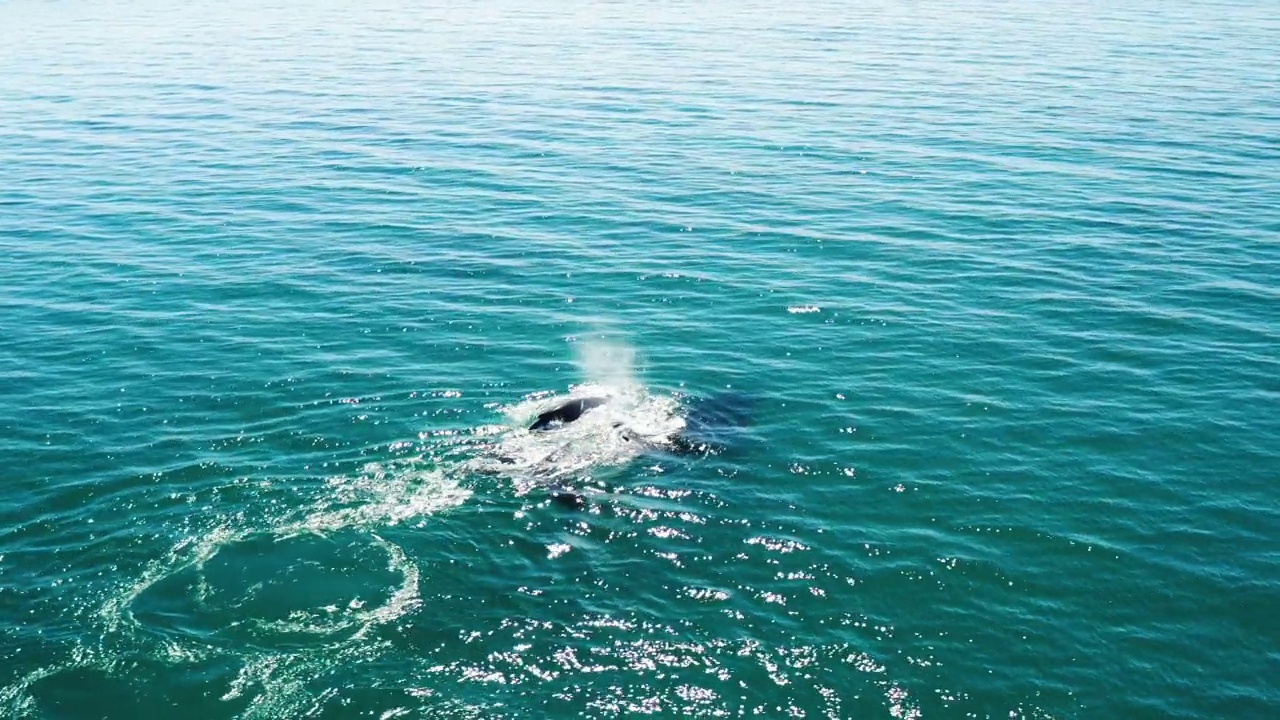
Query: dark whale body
point(566, 413)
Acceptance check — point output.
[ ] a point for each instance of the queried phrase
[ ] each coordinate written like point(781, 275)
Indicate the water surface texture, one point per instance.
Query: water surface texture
point(974, 308)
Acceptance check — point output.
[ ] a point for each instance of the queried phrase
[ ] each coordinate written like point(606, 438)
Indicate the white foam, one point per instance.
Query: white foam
point(629, 423)
point(383, 495)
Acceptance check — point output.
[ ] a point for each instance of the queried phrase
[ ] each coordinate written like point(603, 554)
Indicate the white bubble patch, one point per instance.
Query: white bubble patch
point(631, 421)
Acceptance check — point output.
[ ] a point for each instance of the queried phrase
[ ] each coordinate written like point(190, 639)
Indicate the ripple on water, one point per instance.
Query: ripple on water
point(270, 592)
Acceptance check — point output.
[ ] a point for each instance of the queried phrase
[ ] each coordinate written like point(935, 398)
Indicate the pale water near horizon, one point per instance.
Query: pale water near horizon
point(976, 306)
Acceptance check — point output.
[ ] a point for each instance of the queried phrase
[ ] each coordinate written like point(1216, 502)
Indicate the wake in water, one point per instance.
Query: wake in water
point(286, 595)
point(307, 585)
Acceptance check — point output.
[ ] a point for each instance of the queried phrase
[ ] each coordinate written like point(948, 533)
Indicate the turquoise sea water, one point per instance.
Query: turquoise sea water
point(978, 302)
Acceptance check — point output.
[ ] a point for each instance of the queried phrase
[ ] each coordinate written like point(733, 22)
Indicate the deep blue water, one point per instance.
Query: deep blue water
point(978, 303)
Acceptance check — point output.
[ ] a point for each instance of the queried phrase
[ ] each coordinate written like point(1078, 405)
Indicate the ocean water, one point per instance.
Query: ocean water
point(971, 309)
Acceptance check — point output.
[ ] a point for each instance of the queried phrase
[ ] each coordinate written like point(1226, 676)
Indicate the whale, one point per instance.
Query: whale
point(565, 413)
point(572, 410)
point(570, 445)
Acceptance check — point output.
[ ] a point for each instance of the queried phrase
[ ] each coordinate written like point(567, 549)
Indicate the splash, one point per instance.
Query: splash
point(632, 422)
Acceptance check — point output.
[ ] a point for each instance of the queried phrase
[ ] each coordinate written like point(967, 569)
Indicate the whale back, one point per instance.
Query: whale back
point(565, 413)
